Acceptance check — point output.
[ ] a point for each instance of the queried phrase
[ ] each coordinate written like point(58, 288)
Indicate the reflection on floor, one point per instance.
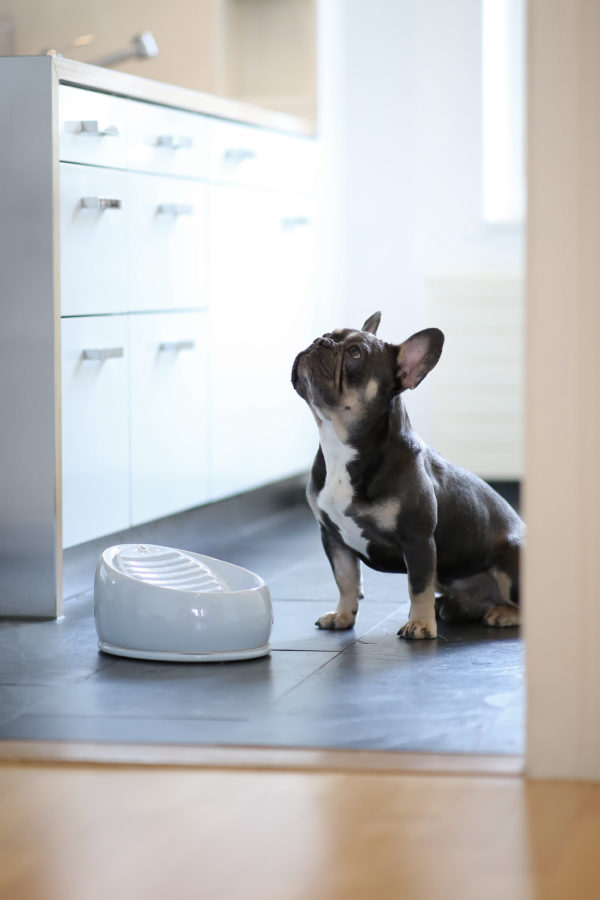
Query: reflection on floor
point(364, 688)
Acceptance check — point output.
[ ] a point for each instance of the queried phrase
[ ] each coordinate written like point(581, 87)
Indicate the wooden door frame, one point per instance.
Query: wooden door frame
point(562, 484)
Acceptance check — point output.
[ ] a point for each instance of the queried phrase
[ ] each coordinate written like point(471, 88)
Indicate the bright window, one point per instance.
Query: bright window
point(503, 60)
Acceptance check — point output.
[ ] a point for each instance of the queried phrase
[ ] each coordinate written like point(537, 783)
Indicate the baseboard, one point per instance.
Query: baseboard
point(510, 490)
point(257, 758)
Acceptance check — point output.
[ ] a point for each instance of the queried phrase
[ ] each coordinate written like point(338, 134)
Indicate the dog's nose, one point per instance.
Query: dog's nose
point(325, 342)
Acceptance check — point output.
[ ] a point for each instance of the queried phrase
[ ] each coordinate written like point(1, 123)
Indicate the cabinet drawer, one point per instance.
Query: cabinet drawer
point(93, 127)
point(167, 141)
point(241, 154)
point(95, 427)
point(262, 312)
point(93, 235)
point(167, 230)
point(169, 467)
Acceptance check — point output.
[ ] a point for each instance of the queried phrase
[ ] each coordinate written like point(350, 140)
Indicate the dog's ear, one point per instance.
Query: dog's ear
point(372, 323)
point(417, 356)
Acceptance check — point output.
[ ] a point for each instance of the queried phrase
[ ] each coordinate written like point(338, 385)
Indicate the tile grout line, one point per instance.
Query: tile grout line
point(333, 657)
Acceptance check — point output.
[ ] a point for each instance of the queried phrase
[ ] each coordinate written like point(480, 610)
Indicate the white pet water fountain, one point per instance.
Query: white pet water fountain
point(159, 603)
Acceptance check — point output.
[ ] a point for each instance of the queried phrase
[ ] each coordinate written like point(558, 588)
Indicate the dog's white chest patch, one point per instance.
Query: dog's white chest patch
point(336, 495)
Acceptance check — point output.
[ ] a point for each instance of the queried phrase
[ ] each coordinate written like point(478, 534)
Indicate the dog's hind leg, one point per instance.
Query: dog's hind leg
point(346, 571)
point(468, 599)
point(506, 574)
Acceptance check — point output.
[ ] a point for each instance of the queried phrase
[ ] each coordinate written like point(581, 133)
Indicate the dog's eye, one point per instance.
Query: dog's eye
point(355, 352)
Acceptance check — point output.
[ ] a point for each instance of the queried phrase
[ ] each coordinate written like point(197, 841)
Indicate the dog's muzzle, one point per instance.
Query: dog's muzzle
point(295, 369)
point(314, 370)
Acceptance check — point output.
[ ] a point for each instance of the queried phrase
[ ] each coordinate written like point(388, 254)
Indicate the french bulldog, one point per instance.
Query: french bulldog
point(383, 497)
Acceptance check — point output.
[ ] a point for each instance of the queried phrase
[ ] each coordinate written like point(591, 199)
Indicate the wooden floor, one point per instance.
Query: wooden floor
point(79, 832)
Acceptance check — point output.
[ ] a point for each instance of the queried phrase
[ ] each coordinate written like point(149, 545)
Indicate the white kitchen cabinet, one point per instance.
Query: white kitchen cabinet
point(300, 320)
point(262, 314)
point(156, 287)
point(166, 235)
point(134, 433)
point(130, 241)
point(169, 425)
point(95, 426)
point(245, 155)
point(93, 237)
point(171, 143)
point(92, 127)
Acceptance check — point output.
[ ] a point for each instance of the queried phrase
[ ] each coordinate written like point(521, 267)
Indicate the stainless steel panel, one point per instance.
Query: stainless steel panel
point(29, 567)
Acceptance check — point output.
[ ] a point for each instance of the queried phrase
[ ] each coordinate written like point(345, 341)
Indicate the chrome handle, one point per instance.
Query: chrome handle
point(295, 221)
point(92, 127)
point(175, 142)
point(175, 346)
point(100, 203)
point(239, 154)
point(103, 353)
point(176, 209)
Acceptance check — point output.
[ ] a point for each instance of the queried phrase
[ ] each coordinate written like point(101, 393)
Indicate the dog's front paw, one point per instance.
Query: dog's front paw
point(336, 621)
point(502, 616)
point(417, 629)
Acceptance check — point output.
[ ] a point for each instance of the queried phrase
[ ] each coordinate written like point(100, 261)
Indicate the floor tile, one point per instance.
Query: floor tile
point(17, 700)
point(136, 688)
point(139, 730)
point(52, 652)
point(430, 695)
point(294, 626)
point(363, 688)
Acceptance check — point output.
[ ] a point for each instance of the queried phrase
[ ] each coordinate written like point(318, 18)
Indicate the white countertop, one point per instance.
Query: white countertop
point(70, 71)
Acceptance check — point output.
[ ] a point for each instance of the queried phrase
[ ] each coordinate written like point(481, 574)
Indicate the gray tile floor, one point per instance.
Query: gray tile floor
point(364, 688)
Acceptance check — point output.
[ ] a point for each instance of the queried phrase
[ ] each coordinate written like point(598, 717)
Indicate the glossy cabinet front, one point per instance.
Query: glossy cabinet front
point(186, 270)
point(95, 426)
point(168, 411)
point(262, 315)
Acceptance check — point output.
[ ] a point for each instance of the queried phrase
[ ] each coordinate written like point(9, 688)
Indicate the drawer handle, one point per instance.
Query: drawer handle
point(176, 209)
point(92, 127)
point(103, 353)
point(176, 346)
point(100, 203)
point(295, 221)
point(174, 141)
point(237, 155)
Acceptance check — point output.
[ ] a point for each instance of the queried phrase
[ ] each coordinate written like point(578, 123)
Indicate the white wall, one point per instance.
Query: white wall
point(380, 146)
point(184, 30)
point(269, 54)
point(258, 50)
point(409, 85)
point(452, 237)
